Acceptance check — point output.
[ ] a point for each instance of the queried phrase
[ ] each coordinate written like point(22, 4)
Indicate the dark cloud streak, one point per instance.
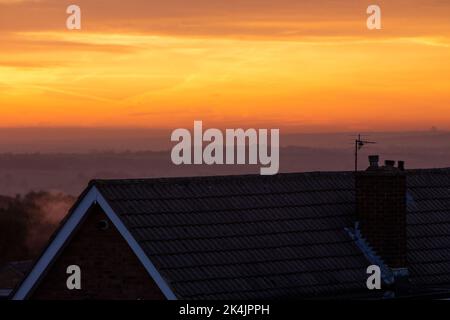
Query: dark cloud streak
point(233, 17)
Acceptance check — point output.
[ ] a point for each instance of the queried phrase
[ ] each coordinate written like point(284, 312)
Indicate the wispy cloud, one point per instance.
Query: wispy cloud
point(244, 18)
point(162, 63)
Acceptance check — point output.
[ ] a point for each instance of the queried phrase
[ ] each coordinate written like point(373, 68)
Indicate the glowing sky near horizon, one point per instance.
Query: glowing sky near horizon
point(307, 65)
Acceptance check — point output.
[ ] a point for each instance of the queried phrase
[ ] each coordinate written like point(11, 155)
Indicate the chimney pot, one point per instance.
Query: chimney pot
point(389, 163)
point(373, 161)
point(401, 165)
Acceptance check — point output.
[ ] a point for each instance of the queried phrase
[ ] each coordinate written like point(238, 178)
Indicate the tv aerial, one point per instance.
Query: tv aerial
point(359, 143)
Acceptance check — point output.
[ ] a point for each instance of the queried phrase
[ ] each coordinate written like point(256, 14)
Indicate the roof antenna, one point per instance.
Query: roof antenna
point(359, 143)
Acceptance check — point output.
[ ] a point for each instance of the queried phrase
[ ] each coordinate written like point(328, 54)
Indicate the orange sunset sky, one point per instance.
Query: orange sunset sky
point(278, 63)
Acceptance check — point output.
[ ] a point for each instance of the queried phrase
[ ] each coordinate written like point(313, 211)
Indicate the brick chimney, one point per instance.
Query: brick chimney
point(381, 210)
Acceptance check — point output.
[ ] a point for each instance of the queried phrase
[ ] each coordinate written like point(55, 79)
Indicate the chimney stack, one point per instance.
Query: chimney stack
point(373, 161)
point(389, 163)
point(381, 210)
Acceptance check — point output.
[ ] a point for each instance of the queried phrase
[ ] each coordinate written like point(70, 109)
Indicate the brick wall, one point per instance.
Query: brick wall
point(109, 268)
point(381, 211)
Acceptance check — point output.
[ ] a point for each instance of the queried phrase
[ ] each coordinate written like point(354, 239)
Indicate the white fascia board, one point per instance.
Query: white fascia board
point(93, 196)
point(137, 249)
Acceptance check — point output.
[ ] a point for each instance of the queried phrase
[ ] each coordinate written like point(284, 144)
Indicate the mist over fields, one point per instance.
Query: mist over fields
point(64, 160)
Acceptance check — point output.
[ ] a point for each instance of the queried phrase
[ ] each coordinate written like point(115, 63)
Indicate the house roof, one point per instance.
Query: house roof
point(429, 228)
point(244, 236)
point(260, 237)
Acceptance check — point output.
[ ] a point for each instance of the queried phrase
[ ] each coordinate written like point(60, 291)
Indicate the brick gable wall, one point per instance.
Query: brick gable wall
point(109, 268)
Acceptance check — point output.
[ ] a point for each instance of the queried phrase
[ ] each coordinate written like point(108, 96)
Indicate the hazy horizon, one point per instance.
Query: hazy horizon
point(90, 139)
point(65, 163)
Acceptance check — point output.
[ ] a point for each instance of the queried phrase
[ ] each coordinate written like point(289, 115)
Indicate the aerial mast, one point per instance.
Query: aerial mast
point(359, 143)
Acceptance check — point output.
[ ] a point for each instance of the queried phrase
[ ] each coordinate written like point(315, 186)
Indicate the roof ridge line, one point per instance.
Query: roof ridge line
point(219, 177)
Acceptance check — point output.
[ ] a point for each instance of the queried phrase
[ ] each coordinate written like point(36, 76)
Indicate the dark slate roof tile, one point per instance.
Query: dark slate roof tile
point(255, 237)
point(432, 217)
